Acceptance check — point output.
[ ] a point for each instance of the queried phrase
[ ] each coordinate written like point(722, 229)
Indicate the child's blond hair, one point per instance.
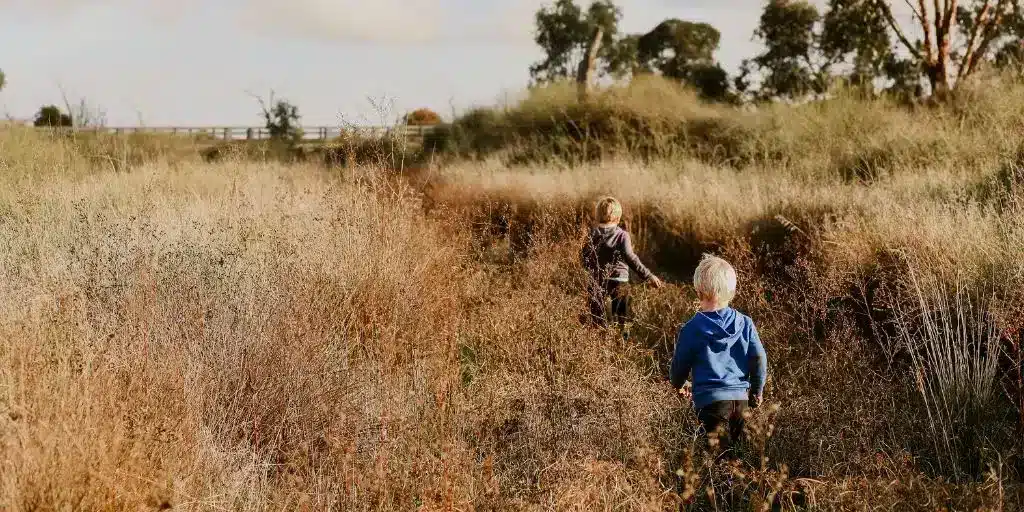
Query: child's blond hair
point(608, 210)
point(715, 280)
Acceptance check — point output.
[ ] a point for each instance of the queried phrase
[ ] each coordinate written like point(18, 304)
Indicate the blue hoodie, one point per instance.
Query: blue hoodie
point(724, 353)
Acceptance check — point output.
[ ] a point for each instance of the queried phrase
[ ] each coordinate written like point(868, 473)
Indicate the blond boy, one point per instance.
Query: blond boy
point(608, 257)
point(721, 348)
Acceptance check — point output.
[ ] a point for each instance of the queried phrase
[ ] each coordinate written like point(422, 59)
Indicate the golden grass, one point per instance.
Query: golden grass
point(252, 336)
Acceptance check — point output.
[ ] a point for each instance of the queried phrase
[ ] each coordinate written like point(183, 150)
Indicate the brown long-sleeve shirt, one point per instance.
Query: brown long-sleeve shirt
point(608, 255)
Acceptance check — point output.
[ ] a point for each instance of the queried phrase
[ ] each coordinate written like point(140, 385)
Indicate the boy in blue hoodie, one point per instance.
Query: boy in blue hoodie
point(721, 348)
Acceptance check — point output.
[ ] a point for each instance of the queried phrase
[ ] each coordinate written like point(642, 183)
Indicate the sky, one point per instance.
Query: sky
point(200, 62)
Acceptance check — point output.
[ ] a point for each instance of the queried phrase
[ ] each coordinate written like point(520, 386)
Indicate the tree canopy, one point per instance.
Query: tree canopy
point(281, 119)
point(855, 34)
point(563, 32)
point(685, 51)
point(866, 44)
point(788, 65)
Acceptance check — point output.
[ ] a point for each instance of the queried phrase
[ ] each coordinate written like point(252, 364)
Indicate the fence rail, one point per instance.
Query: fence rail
point(321, 133)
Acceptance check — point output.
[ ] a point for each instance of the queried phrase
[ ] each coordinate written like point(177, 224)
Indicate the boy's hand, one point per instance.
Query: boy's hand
point(655, 282)
point(686, 391)
point(755, 401)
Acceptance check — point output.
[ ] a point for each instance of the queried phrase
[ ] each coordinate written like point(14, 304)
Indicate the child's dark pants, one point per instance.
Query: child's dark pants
point(597, 295)
point(727, 414)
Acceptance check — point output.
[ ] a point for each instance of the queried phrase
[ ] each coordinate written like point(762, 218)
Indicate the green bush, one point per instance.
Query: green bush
point(352, 148)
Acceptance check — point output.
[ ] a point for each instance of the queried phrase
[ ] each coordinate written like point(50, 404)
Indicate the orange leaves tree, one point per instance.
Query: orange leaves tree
point(422, 117)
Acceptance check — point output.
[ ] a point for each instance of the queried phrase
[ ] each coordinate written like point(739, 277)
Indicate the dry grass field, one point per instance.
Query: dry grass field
point(250, 335)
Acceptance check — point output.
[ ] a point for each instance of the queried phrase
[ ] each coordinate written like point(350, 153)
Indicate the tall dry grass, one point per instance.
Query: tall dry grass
point(261, 337)
point(820, 269)
point(251, 336)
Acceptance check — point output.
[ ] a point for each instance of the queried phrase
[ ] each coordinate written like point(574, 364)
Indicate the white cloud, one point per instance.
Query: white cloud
point(346, 20)
point(335, 20)
point(405, 21)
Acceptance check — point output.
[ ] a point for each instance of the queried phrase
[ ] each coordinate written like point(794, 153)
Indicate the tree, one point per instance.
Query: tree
point(281, 119)
point(422, 117)
point(972, 29)
point(674, 44)
point(621, 57)
point(588, 65)
point(789, 66)
point(51, 116)
point(711, 81)
point(684, 50)
point(3, 79)
point(855, 33)
point(564, 31)
point(1010, 53)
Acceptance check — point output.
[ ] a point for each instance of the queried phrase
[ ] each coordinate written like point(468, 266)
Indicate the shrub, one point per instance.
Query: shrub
point(352, 148)
point(422, 117)
point(51, 116)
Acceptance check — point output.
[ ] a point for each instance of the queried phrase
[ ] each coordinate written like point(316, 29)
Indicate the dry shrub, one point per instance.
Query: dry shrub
point(353, 149)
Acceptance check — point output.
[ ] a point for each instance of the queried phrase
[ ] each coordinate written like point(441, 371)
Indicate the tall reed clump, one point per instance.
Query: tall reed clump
point(954, 345)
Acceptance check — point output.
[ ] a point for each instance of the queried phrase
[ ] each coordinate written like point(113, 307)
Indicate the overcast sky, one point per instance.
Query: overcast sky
point(193, 62)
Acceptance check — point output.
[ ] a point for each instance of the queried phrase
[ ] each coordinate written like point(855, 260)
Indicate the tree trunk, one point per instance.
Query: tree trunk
point(945, 24)
point(586, 70)
point(938, 78)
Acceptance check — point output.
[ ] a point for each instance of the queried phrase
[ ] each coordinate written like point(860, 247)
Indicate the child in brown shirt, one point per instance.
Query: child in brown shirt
point(608, 256)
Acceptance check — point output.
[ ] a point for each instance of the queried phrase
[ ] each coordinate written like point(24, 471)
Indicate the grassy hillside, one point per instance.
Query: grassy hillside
point(653, 119)
point(252, 335)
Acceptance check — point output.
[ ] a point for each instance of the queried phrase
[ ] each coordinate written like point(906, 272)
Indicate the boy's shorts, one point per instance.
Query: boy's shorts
point(596, 297)
point(727, 414)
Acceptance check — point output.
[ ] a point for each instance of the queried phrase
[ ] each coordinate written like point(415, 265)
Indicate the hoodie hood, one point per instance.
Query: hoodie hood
point(606, 235)
point(721, 328)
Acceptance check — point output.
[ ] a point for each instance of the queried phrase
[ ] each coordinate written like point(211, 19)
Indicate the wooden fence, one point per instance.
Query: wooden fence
point(321, 133)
